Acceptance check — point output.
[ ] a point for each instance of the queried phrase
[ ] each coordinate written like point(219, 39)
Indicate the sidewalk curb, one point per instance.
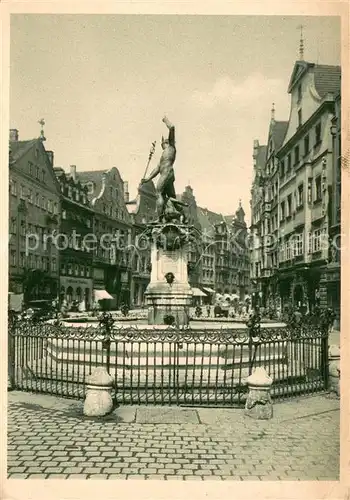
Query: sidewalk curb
point(286, 411)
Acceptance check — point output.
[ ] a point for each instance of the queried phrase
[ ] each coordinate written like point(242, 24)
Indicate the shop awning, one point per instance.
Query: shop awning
point(102, 294)
point(198, 293)
point(209, 290)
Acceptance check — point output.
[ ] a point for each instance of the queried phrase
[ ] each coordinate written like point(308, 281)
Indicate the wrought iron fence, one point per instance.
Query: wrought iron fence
point(167, 365)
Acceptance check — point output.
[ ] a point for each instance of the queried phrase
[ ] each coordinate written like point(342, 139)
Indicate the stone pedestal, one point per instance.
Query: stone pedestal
point(259, 404)
point(168, 294)
point(334, 369)
point(98, 401)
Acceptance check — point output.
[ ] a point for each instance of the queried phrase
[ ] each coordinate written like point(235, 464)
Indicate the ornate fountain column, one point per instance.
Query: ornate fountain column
point(168, 295)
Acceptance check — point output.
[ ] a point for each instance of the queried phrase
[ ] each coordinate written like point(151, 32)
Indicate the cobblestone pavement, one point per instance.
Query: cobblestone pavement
point(52, 439)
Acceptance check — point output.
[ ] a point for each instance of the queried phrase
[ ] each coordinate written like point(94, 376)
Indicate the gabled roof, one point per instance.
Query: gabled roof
point(278, 133)
point(229, 219)
point(261, 156)
point(208, 219)
point(205, 222)
point(19, 148)
point(94, 176)
point(327, 79)
point(300, 68)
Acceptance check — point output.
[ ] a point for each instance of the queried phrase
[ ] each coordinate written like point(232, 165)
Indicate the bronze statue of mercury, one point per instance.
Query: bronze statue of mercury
point(165, 168)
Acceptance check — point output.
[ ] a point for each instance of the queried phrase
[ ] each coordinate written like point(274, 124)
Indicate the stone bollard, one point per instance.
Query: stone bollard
point(259, 404)
point(98, 401)
point(334, 369)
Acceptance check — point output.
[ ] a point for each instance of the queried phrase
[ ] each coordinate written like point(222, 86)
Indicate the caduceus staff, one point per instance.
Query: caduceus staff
point(151, 153)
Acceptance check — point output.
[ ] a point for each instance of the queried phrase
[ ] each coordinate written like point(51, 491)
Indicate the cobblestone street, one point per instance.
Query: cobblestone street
point(49, 437)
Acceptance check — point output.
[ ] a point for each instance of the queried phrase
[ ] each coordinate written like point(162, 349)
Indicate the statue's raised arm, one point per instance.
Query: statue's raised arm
point(171, 128)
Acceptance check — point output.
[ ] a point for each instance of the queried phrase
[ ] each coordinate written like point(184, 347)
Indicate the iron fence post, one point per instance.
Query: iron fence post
point(108, 351)
point(11, 346)
point(325, 360)
point(254, 326)
point(107, 322)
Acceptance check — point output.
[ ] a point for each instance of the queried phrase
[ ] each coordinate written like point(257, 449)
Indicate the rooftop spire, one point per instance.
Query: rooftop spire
point(301, 44)
point(273, 112)
point(42, 135)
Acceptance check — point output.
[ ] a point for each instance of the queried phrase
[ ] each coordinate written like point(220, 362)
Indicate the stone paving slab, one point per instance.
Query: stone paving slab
point(47, 443)
point(282, 412)
point(165, 415)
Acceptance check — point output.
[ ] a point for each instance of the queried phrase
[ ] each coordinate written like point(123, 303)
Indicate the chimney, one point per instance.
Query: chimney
point(73, 171)
point(13, 135)
point(50, 156)
point(126, 192)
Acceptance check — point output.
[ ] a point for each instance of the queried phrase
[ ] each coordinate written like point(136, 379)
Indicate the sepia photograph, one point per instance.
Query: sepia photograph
point(174, 247)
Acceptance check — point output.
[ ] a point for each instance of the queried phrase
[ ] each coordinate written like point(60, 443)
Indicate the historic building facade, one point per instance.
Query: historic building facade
point(112, 230)
point(265, 219)
point(306, 166)
point(294, 198)
point(76, 252)
point(195, 247)
point(142, 210)
point(331, 278)
point(225, 257)
point(34, 213)
point(208, 255)
point(257, 207)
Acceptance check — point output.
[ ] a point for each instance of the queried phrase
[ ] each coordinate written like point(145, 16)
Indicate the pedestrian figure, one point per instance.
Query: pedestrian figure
point(208, 310)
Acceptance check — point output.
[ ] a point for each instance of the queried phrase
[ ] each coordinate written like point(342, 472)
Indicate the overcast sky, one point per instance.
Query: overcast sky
point(103, 83)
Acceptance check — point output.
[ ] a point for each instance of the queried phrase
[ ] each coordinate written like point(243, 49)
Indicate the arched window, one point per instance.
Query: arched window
point(69, 294)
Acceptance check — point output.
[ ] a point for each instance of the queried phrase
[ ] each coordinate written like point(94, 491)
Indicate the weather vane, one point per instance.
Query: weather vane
point(301, 46)
point(42, 135)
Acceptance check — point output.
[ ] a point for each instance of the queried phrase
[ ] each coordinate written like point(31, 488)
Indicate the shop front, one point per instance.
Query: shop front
point(76, 291)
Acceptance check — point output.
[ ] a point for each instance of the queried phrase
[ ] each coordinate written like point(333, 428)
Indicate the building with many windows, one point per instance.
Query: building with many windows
point(208, 255)
point(112, 230)
point(331, 278)
point(76, 254)
point(34, 212)
point(225, 257)
point(265, 215)
point(305, 176)
point(195, 246)
point(142, 210)
point(293, 193)
point(257, 207)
